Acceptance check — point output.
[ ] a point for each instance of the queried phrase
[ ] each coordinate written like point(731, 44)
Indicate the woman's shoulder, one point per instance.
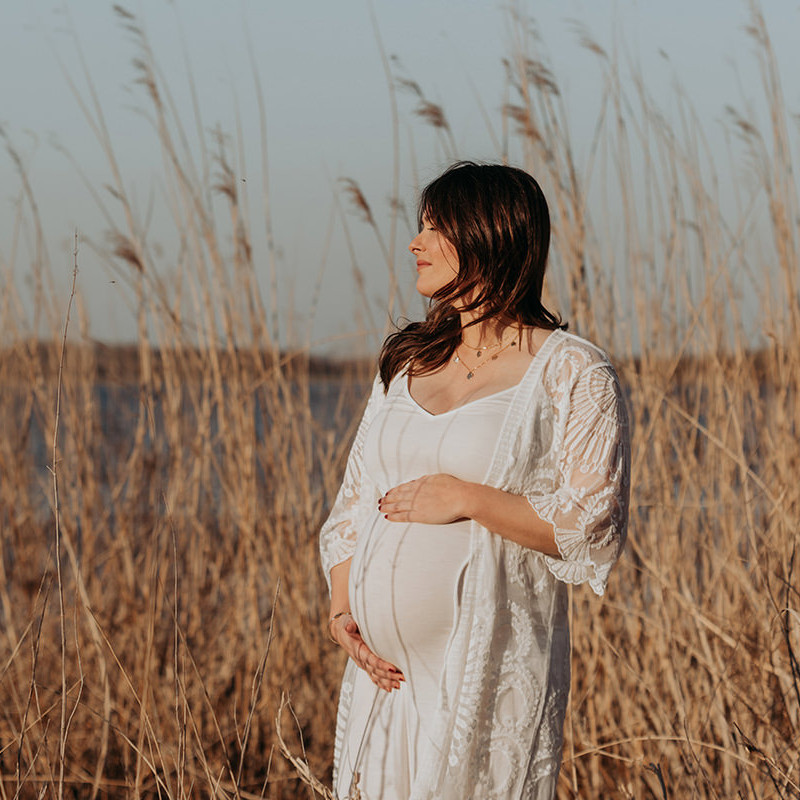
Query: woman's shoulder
point(573, 362)
point(574, 375)
point(375, 399)
point(567, 348)
point(379, 393)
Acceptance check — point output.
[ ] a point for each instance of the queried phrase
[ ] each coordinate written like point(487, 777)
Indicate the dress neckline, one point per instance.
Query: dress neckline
point(456, 408)
point(534, 360)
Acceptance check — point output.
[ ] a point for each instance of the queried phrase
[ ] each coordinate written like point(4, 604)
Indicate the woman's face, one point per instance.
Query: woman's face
point(437, 262)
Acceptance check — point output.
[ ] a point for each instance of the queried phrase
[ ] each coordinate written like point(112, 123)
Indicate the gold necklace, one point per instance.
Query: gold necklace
point(472, 370)
point(479, 351)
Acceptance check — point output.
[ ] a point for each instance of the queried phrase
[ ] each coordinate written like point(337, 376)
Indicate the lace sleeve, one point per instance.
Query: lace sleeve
point(337, 538)
point(589, 507)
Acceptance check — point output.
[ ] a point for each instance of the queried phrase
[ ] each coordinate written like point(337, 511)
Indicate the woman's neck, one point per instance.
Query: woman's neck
point(482, 334)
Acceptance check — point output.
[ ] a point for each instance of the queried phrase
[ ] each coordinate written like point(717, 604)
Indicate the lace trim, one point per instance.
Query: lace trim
point(337, 537)
point(589, 509)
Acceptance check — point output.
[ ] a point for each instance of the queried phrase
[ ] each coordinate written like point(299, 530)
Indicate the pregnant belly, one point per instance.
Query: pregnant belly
point(404, 583)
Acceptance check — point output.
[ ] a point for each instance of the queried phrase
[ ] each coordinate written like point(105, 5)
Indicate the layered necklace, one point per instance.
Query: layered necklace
point(495, 350)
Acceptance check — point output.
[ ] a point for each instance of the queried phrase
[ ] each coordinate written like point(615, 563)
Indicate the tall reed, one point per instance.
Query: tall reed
point(195, 467)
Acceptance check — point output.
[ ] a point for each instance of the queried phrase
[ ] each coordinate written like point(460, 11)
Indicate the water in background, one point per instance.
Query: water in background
point(333, 403)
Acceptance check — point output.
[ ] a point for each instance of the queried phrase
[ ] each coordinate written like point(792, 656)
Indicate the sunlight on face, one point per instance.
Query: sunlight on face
point(437, 262)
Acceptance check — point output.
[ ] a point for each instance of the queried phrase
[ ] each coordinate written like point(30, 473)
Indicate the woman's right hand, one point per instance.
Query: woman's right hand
point(344, 631)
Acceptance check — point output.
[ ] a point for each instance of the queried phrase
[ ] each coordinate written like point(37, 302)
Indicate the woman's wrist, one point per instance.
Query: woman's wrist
point(332, 619)
point(469, 501)
point(509, 516)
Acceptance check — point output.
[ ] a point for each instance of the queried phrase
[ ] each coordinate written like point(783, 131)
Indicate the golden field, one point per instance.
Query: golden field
point(160, 593)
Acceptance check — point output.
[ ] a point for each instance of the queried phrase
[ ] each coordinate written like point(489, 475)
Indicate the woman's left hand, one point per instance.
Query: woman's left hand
point(434, 499)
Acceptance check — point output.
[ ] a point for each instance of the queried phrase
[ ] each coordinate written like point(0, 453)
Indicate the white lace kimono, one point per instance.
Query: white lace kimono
point(565, 446)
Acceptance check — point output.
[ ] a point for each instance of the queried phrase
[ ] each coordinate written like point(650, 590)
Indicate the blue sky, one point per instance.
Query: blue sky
point(328, 111)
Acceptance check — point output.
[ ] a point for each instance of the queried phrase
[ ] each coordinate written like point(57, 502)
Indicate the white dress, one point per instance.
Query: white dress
point(477, 623)
point(404, 581)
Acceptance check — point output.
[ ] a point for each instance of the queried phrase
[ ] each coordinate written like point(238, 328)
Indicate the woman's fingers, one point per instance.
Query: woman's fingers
point(405, 492)
point(398, 503)
point(435, 499)
point(381, 672)
point(378, 667)
point(377, 670)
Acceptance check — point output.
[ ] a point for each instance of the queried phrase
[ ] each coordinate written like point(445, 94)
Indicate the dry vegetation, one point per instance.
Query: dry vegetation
point(160, 587)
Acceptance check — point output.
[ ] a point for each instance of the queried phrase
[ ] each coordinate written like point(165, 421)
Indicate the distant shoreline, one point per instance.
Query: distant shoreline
point(122, 364)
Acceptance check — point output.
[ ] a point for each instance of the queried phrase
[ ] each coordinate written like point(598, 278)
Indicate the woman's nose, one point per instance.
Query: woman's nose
point(415, 244)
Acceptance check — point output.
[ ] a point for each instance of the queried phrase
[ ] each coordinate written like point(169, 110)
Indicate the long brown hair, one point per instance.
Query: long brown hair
point(497, 220)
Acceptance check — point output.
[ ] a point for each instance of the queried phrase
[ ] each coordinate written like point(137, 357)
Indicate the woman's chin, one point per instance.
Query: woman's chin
point(428, 288)
point(424, 290)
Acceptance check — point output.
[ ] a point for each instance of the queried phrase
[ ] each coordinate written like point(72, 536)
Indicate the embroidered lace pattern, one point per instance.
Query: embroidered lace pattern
point(565, 447)
point(338, 534)
point(586, 499)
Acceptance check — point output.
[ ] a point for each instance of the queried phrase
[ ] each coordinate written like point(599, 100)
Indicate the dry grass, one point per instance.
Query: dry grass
point(188, 502)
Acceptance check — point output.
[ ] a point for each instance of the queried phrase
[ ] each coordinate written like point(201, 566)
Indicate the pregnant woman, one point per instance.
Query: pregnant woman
point(490, 470)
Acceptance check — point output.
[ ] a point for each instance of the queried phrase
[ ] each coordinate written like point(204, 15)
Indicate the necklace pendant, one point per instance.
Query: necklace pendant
point(469, 375)
point(478, 354)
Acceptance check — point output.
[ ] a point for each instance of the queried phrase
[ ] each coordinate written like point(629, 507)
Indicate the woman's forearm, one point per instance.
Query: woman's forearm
point(340, 580)
point(440, 499)
point(510, 516)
